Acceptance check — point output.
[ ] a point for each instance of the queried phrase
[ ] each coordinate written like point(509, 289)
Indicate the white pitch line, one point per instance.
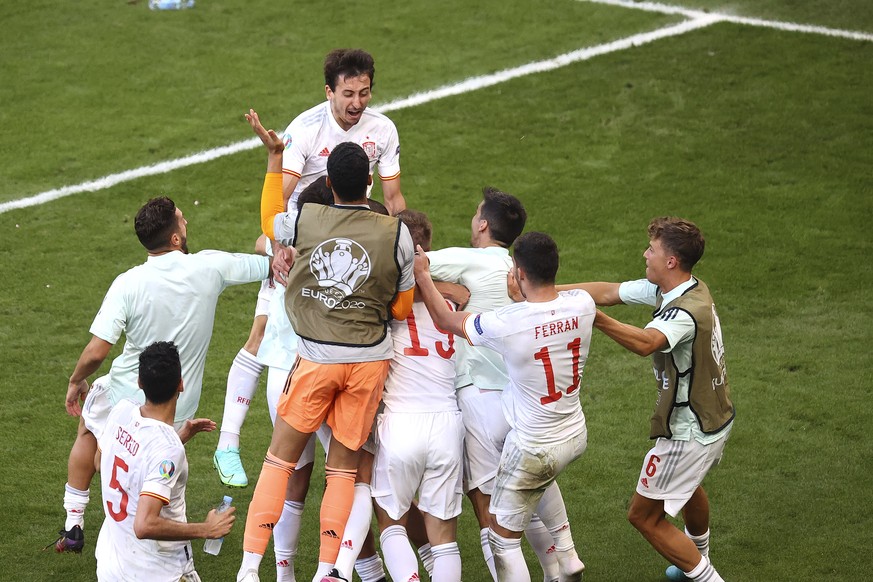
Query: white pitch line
point(775, 24)
point(466, 86)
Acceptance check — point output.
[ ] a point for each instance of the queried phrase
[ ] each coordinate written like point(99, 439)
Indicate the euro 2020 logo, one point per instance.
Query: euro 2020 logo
point(341, 265)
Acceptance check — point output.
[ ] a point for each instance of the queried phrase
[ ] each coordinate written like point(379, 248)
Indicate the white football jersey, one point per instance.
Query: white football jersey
point(545, 346)
point(140, 456)
point(422, 373)
point(313, 134)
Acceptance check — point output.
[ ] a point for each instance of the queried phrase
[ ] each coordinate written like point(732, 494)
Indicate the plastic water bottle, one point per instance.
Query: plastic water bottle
point(214, 546)
point(170, 4)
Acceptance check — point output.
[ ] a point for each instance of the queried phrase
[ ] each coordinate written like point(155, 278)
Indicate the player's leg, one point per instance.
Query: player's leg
point(358, 525)
point(304, 404)
point(400, 559)
point(286, 534)
point(242, 381)
point(418, 537)
point(543, 544)
point(661, 492)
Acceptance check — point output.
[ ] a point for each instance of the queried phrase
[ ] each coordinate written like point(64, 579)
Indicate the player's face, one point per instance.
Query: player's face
point(657, 259)
point(348, 102)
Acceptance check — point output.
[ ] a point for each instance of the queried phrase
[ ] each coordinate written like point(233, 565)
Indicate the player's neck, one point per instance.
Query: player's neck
point(165, 412)
point(673, 281)
point(540, 293)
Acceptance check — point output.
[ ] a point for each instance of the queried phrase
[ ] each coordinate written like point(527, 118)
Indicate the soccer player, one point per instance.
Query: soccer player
point(420, 438)
point(171, 297)
point(349, 76)
point(143, 472)
point(693, 413)
point(483, 269)
point(353, 272)
point(544, 341)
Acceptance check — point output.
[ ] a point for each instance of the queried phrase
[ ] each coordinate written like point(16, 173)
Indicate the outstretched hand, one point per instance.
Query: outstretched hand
point(192, 427)
point(271, 141)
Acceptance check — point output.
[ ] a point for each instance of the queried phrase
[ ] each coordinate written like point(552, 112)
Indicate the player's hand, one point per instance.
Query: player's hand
point(271, 141)
point(422, 264)
point(76, 392)
point(283, 259)
point(218, 524)
point(512, 288)
point(192, 427)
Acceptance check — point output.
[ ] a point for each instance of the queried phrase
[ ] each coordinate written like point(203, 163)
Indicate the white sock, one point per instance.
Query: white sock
point(356, 530)
point(487, 553)
point(701, 541)
point(321, 571)
point(424, 553)
point(446, 563)
point(286, 534)
point(544, 546)
point(242, 381)
point(370, 569)
point(399, 557)
point(250, 561)
point(565, 550)
point(75, 502)
point(508, 558)
point(704, 572)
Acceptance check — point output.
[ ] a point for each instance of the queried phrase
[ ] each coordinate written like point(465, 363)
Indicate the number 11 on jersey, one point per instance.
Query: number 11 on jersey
point(543, 356)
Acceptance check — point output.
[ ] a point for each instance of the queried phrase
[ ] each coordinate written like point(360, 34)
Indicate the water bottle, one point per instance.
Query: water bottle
point(170, 4)
point(214, 546)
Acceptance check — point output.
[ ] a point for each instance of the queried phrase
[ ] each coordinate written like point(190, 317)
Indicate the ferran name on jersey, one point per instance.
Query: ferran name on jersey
point(556, 327)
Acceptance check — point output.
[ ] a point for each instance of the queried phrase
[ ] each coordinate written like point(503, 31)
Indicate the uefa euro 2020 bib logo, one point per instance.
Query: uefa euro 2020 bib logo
point(341, 266)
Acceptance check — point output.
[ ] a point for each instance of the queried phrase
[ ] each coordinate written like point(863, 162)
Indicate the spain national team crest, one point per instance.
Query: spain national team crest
point(370, 149)
point(167, 468)
point(341, 265)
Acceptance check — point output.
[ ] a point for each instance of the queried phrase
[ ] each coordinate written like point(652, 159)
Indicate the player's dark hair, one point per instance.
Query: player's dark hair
point(378, 207)
point(318, 192)
point(679, 237)
point(156, 222)
point(419, 227)
point(349, 170)
point(344, 63)
point(537, 254)
point(160, 372)
point(505, 215)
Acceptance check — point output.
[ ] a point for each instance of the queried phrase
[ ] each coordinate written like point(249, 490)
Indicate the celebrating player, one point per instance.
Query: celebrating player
point(143, 474)
point(544, 341)
point(693, 414)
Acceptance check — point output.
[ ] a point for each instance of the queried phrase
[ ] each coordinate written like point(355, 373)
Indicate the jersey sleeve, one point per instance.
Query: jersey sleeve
point(163, 471)
point(406, 259)
point(389, 161)
point(676, 324)
point(485, 329)
point(238, 268)
point(447, 264)
point(111, 319)
point(639, 292)
point(294, 157)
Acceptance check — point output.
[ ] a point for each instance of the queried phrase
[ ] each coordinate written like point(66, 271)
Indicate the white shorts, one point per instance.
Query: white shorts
point(486, 427)
point(524, 474)
point(265, 293)
point(672, 470)
point(419, 452)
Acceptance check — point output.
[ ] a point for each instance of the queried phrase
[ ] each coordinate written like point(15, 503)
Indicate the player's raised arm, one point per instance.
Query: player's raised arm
point(272, 202)
point(643, 342)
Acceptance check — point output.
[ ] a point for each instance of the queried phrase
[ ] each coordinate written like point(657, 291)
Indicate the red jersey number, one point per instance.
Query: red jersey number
point(121, 513)
point(543, 356)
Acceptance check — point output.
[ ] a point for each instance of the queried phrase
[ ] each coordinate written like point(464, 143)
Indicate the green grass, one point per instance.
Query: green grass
point(764, 138)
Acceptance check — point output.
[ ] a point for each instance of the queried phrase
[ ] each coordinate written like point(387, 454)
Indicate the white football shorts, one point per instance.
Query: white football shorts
point(419, 452)
point(524, 474)
point(672, 470)
point(486, 427)
point(265, 293)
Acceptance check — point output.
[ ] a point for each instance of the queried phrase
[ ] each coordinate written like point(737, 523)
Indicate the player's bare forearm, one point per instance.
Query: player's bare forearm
point(91, 358)
point(643, 342)
point(443, 317)
point(604, 294)
point(394, 200)
point(149, 525)
point(454, 292)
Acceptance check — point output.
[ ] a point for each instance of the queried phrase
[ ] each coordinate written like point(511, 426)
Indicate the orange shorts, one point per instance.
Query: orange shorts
point(346, 395)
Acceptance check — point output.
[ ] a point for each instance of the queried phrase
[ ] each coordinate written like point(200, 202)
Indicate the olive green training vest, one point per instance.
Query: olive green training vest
point(708, 393)
point(345, 275)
